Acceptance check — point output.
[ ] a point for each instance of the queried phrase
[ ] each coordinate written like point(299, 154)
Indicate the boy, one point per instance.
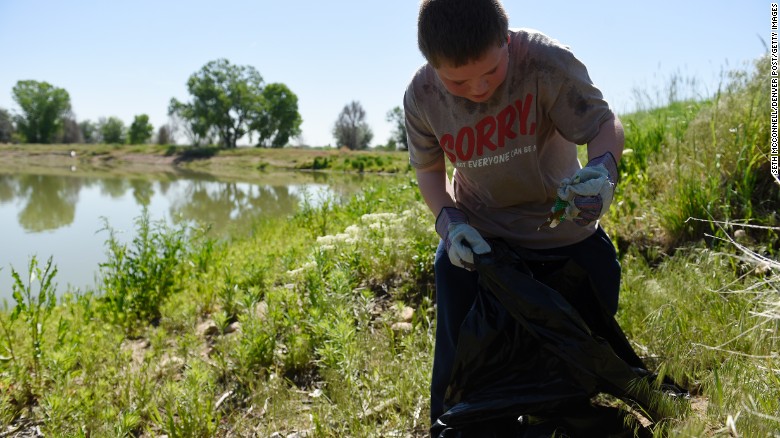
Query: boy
point(507, 109)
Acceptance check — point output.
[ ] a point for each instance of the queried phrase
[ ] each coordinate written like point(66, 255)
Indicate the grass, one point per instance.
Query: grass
point(322, 323)
point(697, 159)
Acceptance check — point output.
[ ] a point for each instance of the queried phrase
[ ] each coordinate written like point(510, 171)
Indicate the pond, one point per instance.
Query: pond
point(64, 215)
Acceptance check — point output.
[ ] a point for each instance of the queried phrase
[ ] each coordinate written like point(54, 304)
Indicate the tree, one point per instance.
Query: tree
point(230, 101)
point(88, 131)
point(164, 135)
point(279, 119)
point(195, 130)
point(172, 127)
point(43, 106)
point(71, 131)
point(396, 117)
point(140, 130)
point(6, 126)
point(351, 129)
point(225, 97)
point(112, 130)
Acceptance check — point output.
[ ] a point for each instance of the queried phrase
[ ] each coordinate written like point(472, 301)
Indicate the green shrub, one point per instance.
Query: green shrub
point(321, 163)
point(26, 351)
point(137, 278)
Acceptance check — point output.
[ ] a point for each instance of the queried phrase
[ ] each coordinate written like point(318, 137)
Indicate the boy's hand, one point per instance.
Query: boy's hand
point(589, 192)
point(461, 239)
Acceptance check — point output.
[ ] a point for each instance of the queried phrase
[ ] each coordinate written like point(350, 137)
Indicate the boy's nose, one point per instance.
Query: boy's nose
point(480, 87)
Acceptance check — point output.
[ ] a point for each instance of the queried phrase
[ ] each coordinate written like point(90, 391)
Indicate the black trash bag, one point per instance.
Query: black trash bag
point(578, 421)
point(535, 348)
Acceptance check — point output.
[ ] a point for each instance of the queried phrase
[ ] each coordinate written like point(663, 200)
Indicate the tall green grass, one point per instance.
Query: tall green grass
point(713, 330)
point(704, 160)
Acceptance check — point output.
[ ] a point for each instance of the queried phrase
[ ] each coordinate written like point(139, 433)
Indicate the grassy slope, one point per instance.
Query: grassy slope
point(323, 322)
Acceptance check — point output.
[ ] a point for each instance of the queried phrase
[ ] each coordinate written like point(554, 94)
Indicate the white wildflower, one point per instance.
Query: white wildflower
point(377, 217)
point(304, 267)
point(342, 237)
point(326, 240)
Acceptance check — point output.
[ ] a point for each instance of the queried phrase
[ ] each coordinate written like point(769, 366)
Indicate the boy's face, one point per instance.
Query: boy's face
point(477, 80)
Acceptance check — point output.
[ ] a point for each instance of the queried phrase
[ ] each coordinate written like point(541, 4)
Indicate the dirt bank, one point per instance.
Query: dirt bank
point(214, 161)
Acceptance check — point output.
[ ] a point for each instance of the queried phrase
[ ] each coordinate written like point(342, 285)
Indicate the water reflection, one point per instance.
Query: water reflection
point(59, 214)
point(50, 203)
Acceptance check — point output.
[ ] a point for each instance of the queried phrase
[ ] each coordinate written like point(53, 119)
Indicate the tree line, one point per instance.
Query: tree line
point(227, 103)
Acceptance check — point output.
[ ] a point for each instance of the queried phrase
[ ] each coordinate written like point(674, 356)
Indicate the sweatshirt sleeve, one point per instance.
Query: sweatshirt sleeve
point(424, 148)
point(573, 103)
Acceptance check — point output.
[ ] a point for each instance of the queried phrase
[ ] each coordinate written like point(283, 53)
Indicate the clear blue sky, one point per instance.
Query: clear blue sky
point(123, 58)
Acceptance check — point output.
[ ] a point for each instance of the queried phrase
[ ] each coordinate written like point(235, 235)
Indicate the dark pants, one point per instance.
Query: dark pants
point(456, 289)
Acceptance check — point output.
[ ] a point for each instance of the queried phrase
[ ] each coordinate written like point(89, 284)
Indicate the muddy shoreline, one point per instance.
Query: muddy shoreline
point(246, 164)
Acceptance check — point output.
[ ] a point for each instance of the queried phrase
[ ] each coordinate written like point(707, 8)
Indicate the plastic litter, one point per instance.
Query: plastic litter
point(535, 348)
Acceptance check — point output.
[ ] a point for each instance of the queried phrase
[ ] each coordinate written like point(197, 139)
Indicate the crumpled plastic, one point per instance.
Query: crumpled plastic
point(535, 348)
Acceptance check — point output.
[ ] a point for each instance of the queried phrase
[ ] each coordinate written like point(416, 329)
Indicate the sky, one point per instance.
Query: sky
point(125, 58)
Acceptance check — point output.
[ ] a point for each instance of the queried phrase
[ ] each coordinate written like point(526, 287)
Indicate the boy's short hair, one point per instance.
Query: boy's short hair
point(457, 32)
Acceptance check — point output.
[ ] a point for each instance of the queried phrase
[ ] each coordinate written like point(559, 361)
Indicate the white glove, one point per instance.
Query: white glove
point(464, 242)
point(461, 239)
point(590, 191)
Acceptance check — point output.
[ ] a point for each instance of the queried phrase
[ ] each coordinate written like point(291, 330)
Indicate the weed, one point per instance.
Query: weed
point(229, 296)
point(137, 278)
point(188, 410)
point(27, 370)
